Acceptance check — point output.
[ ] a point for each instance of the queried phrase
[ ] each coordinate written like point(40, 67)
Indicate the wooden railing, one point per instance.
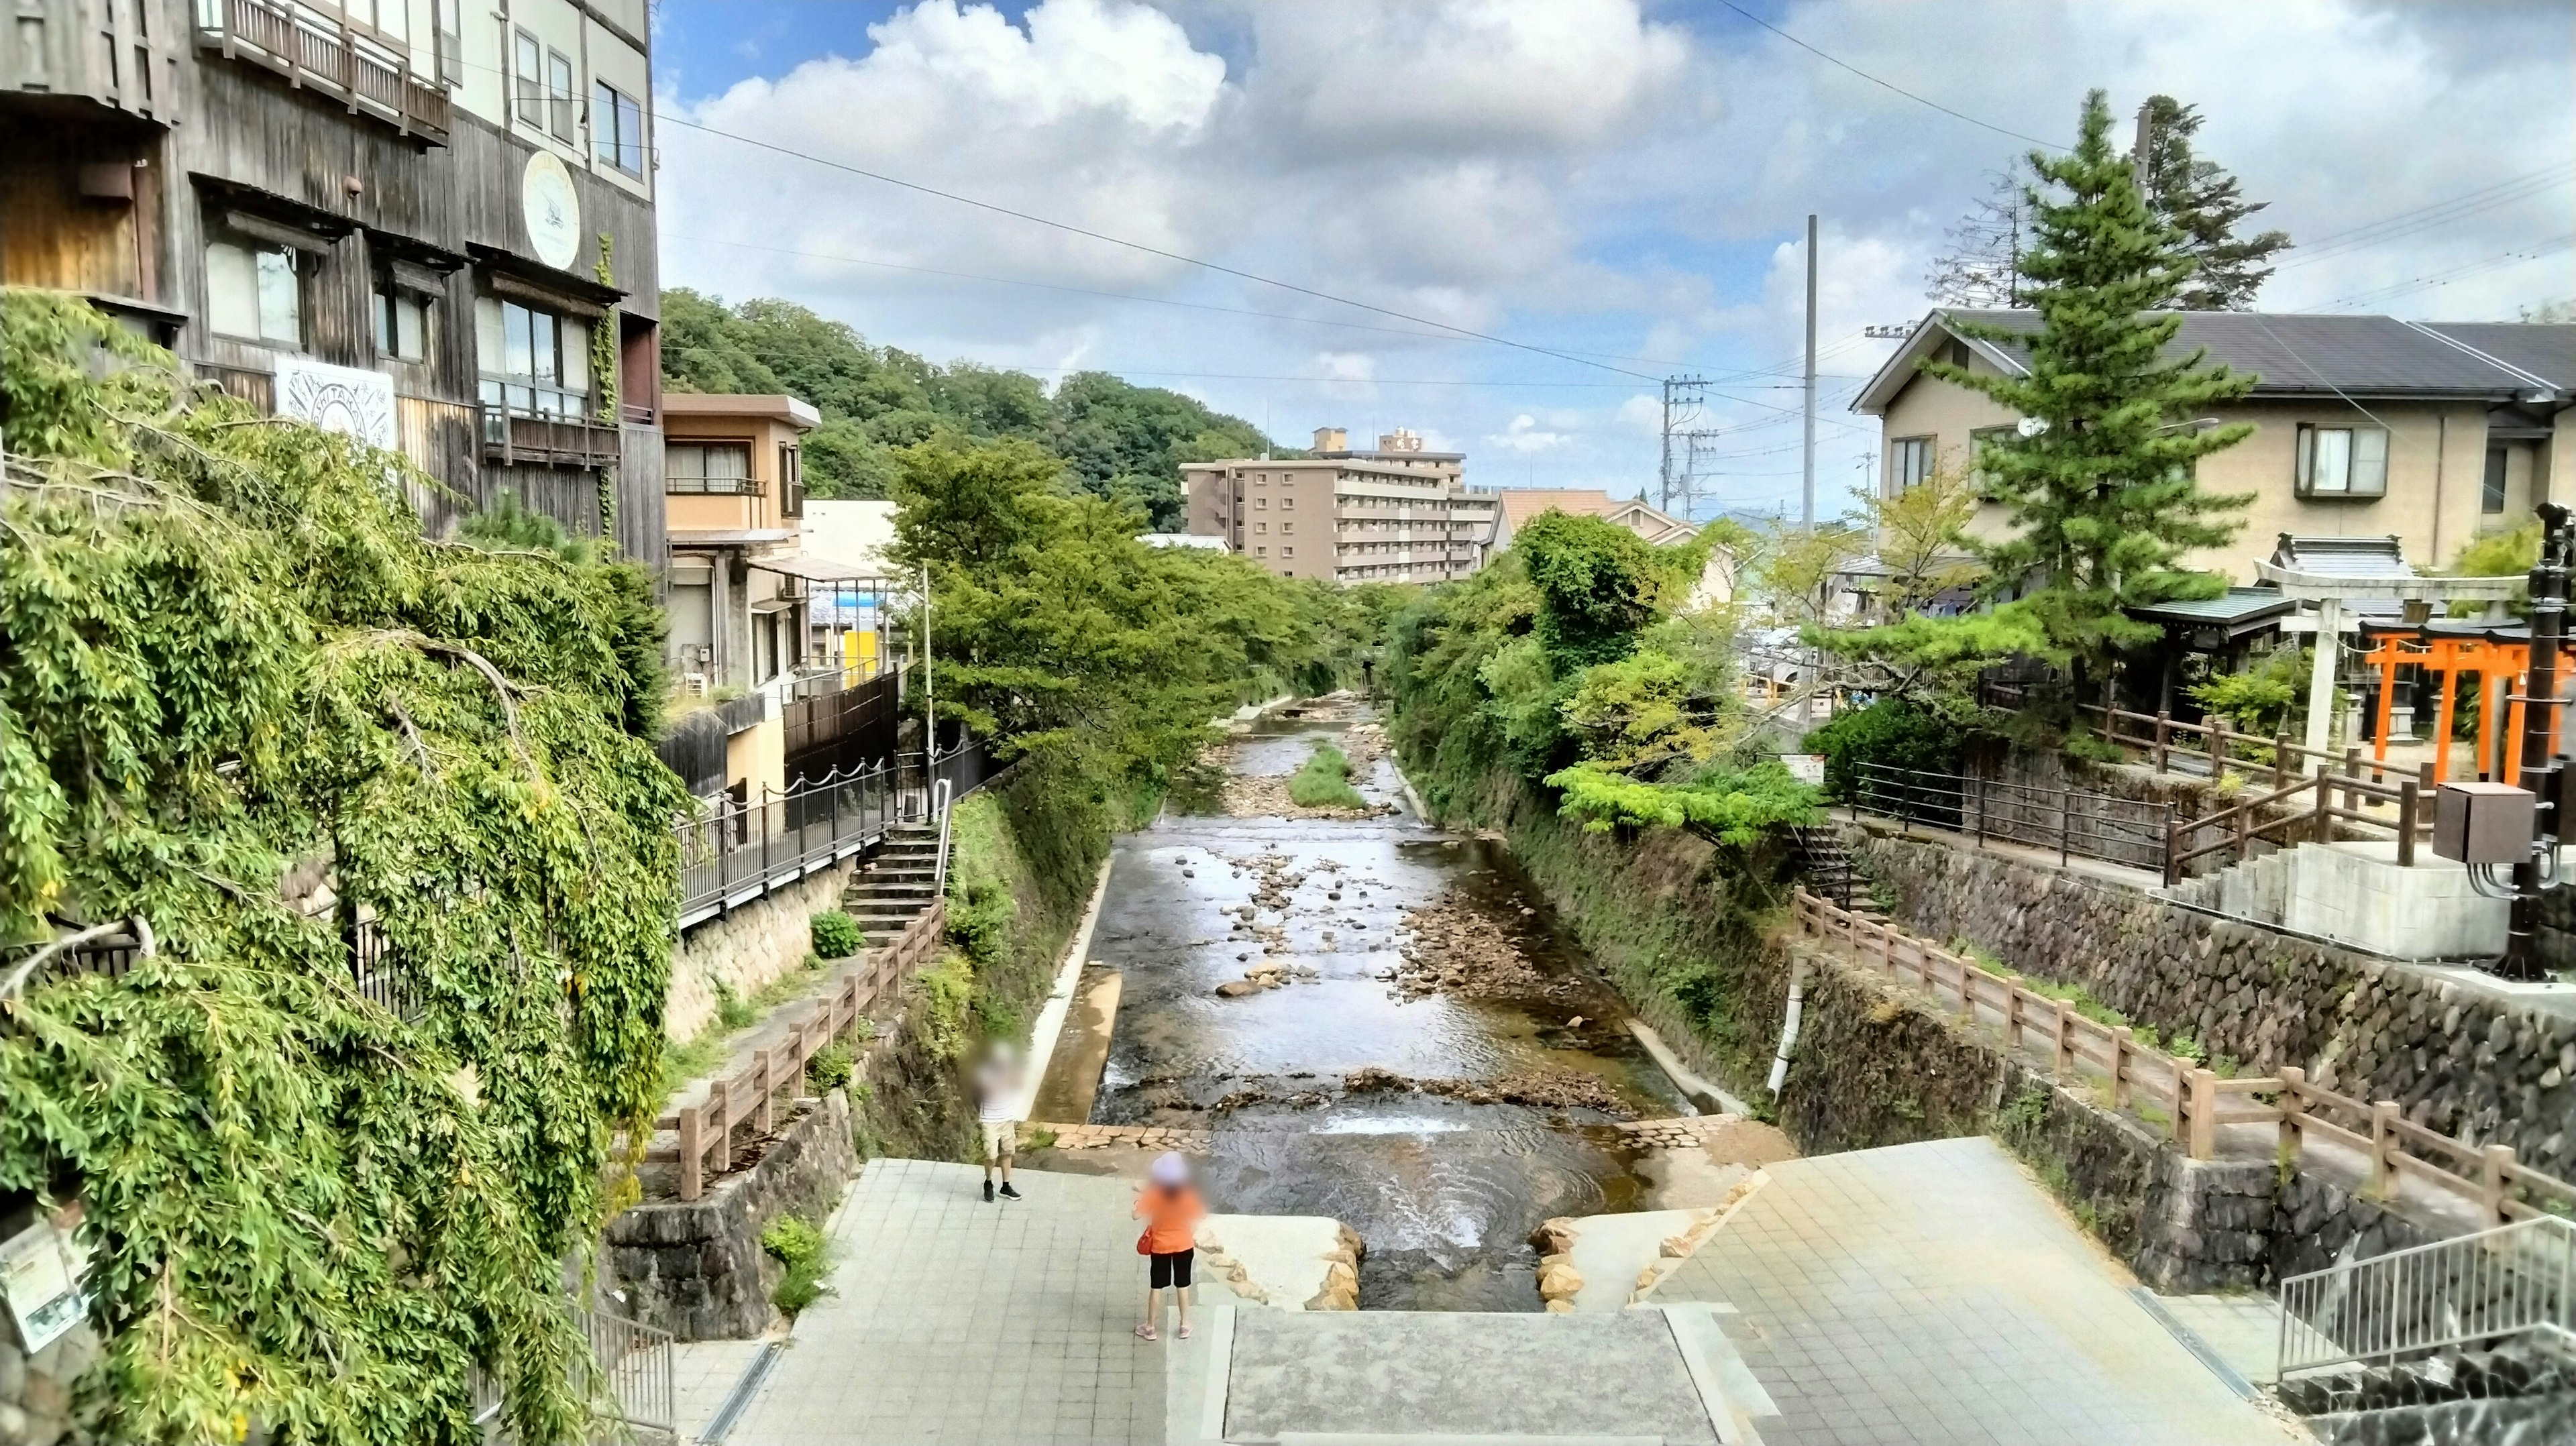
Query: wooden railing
point(749, 1096)
point(2196, 1101)
point(514, 438)
point(320, 47)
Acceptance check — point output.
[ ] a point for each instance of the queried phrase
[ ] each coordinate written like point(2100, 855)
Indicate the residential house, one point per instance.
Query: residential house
point(2364, 425)
point(1522, 505)
point(429, 227)
point(1396, 514)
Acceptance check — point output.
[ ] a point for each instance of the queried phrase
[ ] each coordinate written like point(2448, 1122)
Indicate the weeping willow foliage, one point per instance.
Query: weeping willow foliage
point(226, 653)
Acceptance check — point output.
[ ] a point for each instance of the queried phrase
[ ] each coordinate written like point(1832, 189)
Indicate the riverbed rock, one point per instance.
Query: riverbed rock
point(1236, 989)
point(1554, 1236)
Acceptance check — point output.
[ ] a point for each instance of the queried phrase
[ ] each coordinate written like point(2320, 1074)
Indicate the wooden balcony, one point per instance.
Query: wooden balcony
point(317, 48)
point(519, 440)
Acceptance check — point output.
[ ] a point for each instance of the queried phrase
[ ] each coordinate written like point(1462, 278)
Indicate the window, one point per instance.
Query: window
point(1263, 503)
point(791, 481)
point(617, 129)
point(2342, 461)
point(402, 323)
point(532, 361)
point(559, 94)
point(1909, 461)
point(1287, 502)
point(1287, 527)
point(1261, 552)
point(1287, 552)
point(718, 468)
point(1261, 527)
point(2491, 498)
point(254, 291)
point(528, 59)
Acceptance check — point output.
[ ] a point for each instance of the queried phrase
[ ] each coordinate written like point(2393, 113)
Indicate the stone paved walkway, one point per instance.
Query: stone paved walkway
point(957, 1321)
point(1931, 1293)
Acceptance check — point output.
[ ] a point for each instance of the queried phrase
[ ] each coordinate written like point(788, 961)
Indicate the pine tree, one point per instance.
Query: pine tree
point(2206, 204)
point(1983, 265)
point(2102, 497)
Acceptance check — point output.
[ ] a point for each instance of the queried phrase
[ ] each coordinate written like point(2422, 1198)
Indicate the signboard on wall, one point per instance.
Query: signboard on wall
point(552, 210)
point(338, 399)
point(1805, 767)
point(40, 1271)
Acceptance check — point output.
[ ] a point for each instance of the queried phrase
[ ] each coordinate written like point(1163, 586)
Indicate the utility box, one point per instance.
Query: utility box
point(2484, 823)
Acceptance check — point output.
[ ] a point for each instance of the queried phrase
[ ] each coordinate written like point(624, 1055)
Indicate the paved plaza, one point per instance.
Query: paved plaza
point(1923, 1293)
point(1931, 1293)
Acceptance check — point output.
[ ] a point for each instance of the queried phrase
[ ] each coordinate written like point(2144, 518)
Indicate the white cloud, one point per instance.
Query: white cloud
point(1606, 177)
point(1525, 435)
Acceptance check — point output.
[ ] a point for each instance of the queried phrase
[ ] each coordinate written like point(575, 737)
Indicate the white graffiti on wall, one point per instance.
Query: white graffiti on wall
point(340, 399)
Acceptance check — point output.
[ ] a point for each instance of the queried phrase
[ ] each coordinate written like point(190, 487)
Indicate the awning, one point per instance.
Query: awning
point(819, 569)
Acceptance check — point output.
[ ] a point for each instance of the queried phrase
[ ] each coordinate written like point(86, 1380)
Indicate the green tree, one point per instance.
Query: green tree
point(2207, 205)
point(1597, 584)
point(2102, 496)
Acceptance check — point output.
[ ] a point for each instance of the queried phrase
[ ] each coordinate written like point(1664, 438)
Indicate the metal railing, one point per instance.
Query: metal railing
point(742, 849)
point(2073, 822)
point(2478, 1288)
point(631, 1370)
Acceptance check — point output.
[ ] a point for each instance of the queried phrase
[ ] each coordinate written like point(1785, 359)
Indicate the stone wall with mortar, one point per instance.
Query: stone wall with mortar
point(697, 1269)
point(746, 949)
point(2462, 1058)
point(36, 1390)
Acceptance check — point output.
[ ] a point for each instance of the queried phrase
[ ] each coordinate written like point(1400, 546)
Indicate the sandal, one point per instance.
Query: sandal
point(1185, 1332)
point(1146, 1333)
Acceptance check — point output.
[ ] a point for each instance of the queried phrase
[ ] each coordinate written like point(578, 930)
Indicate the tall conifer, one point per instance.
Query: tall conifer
point(2102, 497)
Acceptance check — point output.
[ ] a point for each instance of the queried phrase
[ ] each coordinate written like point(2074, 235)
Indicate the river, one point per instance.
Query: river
point(1526, 1053)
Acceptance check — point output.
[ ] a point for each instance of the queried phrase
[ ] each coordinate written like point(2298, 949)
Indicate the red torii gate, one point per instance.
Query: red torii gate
point(2499, 664)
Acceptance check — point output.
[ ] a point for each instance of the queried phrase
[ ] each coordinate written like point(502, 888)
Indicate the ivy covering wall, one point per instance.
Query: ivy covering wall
point(228, 658)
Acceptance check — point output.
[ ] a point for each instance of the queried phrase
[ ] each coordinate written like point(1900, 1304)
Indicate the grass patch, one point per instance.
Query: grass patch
point(796, 1244)
point(1325, 781)
point(2074, 994)
point(1038, 1139)
point(682, 1063)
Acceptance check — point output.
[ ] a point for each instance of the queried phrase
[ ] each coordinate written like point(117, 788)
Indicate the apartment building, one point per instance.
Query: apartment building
point(2364, 426)
point(418, 221)
point(1396, 514)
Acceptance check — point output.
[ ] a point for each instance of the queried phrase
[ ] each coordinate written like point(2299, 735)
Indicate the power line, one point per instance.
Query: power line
point(2446, 277)
point(1217, 267)
point(1887, 84)
point(2424, 218)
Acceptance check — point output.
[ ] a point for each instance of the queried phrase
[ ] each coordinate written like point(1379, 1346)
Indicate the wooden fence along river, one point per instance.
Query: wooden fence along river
point(2195, 1100)
point(749, 1096)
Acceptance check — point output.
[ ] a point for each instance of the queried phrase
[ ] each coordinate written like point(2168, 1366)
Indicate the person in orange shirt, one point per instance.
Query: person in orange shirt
point(1170, 1207)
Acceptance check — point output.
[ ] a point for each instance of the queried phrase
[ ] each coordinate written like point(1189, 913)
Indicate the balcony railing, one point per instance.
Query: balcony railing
point(513, 438)
point(316, 46)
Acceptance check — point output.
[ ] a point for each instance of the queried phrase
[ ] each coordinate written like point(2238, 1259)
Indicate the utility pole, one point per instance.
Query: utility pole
point(2540, 768)
point(1807, 471)
point(2138, 153)
point(1683, 397)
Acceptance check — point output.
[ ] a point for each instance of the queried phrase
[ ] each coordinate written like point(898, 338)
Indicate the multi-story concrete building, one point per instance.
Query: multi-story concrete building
point(424, 223)
point(1397, 514)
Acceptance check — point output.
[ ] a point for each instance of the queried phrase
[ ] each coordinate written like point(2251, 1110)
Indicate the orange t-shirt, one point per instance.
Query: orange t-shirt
point(1169, 1215)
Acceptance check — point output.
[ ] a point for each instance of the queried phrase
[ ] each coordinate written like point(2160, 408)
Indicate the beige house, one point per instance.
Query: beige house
point(1397, 514)
point(2365, 426)
point(1522, 504)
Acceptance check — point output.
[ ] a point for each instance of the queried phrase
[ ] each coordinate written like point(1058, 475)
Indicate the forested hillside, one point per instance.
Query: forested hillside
point(1118, 440)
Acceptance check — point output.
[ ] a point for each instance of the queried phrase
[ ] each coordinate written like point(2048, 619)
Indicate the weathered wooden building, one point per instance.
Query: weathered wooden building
point(428, 223)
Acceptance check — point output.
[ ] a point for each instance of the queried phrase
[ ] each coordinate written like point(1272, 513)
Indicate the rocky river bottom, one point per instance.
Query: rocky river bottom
point(1378, 1023)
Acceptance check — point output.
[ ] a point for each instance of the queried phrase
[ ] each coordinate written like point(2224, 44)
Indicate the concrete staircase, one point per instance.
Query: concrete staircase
point(895, 883)
point(1826, 859)
point(2520, 1392)
point(2256, 890)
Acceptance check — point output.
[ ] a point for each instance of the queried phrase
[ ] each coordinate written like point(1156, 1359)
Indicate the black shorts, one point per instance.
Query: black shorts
point(1172, 1269)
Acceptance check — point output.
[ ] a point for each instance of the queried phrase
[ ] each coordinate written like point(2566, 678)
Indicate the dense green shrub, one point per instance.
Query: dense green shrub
point(836, 935)
point(1891, 733)
point(794, 1243)
point(829, 1069)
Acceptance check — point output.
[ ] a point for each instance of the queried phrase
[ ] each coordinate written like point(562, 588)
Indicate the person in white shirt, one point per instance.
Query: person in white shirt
point(997, 1096)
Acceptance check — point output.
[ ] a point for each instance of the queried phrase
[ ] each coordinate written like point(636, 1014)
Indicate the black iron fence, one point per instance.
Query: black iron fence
point(2075, 823)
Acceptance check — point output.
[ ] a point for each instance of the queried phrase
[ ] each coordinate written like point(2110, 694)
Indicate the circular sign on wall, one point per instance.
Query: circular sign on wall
point(553, 210)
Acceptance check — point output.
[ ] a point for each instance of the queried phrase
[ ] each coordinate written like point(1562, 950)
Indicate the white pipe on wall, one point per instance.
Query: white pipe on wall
point(1789, 1028)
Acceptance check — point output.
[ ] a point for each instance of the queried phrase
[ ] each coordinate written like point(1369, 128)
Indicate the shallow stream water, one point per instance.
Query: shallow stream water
point(1442, 1190)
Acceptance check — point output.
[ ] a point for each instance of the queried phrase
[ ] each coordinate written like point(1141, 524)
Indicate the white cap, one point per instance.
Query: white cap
point(1169, 1169)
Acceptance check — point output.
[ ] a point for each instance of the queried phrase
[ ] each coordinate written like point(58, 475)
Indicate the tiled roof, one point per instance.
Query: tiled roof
point(2301, 355)
point(1520, 504)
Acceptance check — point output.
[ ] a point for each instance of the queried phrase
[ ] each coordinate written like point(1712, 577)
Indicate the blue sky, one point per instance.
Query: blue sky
point(1622, 183)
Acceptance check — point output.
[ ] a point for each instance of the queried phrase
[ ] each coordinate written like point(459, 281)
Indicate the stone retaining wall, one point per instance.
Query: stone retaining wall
point(2463, 1057)
point(746, 949)
point(36, 1391)
point(697, 1269)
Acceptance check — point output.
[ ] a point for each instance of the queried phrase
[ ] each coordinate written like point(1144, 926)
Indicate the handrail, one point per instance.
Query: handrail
point(2488, 1286)
point(2196, 1100)
point(748, 1096)
point(939, 794)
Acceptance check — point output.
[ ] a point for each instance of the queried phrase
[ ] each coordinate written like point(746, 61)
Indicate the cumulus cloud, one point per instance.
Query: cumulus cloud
point(1524, 434)
point(1621, 181)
